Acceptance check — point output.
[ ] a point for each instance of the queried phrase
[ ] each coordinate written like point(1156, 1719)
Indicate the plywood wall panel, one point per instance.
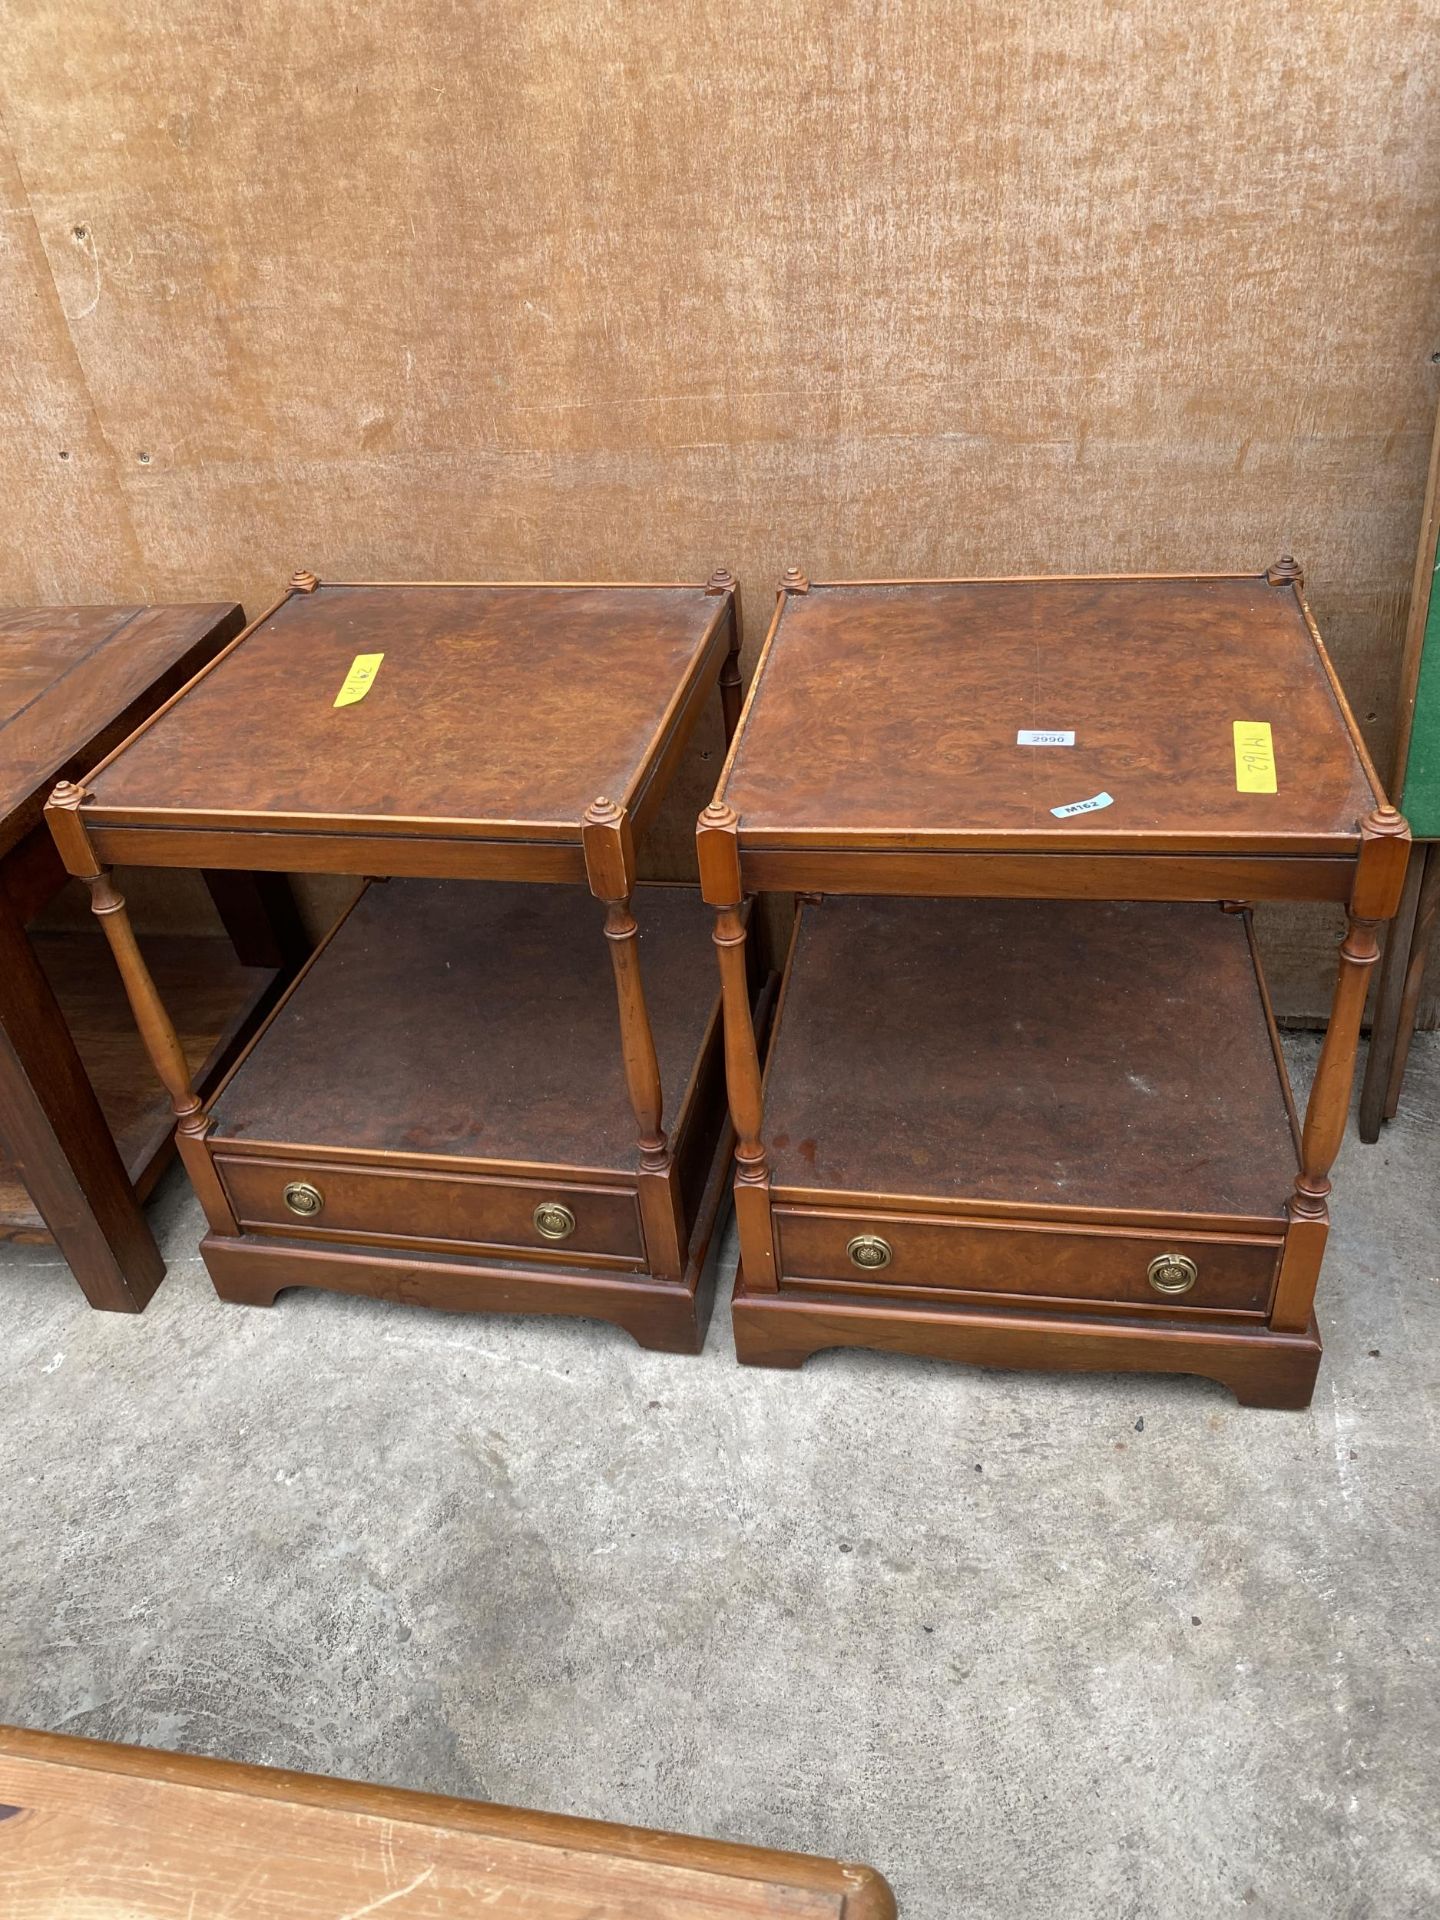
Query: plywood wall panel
point(64, 535)
point(572, 287)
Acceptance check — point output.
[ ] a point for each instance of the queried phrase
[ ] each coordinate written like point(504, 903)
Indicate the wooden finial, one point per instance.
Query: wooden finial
point(794, 581)
point(1386, 822)
point(721, 581)
point(1286, 572)
point(304, 582)
point(719, 816)
point(67, 829)
point(602, 812)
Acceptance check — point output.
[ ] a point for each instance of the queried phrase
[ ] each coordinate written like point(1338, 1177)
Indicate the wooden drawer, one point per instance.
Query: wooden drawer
point(1015, 1257)
point(425, 1209)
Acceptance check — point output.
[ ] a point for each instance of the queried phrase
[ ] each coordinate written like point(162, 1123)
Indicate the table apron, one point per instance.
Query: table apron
point(1054, 876)
point(380, 855)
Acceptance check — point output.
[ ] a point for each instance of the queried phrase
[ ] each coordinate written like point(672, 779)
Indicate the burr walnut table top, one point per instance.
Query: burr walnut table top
point(1049, 1054)
point(74, 676)
point(498, 713)
point(886, 716)
point(477, 1023)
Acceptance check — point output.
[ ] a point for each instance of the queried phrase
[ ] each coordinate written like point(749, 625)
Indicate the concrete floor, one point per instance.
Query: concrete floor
point(1036, 1646)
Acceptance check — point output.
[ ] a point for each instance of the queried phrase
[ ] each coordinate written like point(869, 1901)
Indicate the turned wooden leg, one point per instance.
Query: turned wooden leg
point(57, 1137)
point(1427, 911)
point(162, 1043)
point(658, 1176)
point(719, 872)
point(1379, 885)
point(1323, 1131)
point(609, 860)
point(1385, 1018)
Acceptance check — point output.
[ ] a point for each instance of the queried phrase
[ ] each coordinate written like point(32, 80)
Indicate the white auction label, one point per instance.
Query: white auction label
point(1040, 737)
point(1083, 806)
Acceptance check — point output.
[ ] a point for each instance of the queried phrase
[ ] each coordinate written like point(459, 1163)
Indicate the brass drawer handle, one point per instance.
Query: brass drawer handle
point(302, 1198)
point(1172, 1273)
point(869, 1252)
point(552, 1221)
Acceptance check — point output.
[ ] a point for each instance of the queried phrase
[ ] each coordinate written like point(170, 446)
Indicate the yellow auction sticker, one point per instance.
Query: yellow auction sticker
point(363, 669)
point(1254, 757)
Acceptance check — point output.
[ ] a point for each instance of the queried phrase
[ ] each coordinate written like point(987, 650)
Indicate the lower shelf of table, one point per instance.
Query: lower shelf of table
point(437, 1113)
point(213, 1000)
point(1030, 1133)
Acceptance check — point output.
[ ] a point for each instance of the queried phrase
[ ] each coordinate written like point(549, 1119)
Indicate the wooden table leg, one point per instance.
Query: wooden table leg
point(56, 1134)
point(720, 884)
point(610, 864)
point(1385, 1020)
point(1375, 897)
point(1427, 911)
point(162, 1043)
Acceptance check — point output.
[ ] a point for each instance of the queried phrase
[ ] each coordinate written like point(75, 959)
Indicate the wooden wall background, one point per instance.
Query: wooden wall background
point(585, 288)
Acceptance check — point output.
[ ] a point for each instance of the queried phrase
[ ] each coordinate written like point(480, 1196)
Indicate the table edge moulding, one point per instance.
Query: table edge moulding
point(1273, 1364)
point(599, 851)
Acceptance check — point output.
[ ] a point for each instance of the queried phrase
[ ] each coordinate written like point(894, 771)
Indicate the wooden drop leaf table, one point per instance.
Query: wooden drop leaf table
point(84, 1126)
point(1025, 1104)
point(498, 1082)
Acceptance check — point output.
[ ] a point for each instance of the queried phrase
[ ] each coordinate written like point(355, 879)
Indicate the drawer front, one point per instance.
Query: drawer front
point(1013, 1257)
point(434, 1209)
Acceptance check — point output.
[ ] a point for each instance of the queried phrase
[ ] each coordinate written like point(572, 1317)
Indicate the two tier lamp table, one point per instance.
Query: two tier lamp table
point(1025, 1103)
point(447, 1107)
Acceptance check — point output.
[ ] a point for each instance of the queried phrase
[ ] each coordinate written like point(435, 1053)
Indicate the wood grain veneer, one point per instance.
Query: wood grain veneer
point(1045, 1053)
point(74, 680)
point(473, 1023)
point(499, 1095)
point(127, 1833)
point(504, 707)
point(82, 1120)
point(908, 699)
point(1007, 1093)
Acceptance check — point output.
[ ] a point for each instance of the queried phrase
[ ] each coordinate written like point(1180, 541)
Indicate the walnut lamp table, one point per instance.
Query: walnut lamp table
point(1025, 1103)
point(445, 1108)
